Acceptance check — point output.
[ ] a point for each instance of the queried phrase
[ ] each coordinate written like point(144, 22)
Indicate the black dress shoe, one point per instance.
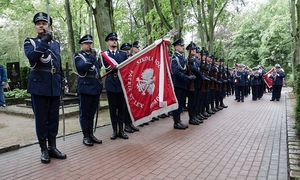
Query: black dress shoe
point(161, 116)
point(166, 115)
point(45, 157)
point(128, 129)
point(277, 100)
point(94, 139)
point(223, 105)
point(179, 126)
point(147, 123)
point(155, 118)
point(242, 100)
point(238, 100)
point(272, 99)
point(123, 135)
point(193, 122)
point(133, 127)
point(55, 153)
point(87, 141)
point(186, 126)
point(113, 136)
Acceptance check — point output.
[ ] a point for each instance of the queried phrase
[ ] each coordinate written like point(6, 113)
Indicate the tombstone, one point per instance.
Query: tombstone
point(72, 82)
point(13, 73)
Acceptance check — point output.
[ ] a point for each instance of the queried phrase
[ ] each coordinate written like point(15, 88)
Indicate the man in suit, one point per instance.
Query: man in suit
point(45, 84)
point(89, 87)
point(115, 95)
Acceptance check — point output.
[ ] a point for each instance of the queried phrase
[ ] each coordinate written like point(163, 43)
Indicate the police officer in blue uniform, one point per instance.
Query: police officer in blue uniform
point(89, 87)
point(115, 95)
point(277, 82)
point(241, 77)
point(135, 47)
point(255, 77)
point(45, 85)
point(180, 81)
point(193, 93)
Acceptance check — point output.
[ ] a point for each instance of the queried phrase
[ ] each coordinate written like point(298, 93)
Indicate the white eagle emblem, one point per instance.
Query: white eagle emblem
point(147, 82)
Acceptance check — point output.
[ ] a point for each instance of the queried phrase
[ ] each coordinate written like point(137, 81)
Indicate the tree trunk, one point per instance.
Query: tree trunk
point(71, 41)
point(103, 14)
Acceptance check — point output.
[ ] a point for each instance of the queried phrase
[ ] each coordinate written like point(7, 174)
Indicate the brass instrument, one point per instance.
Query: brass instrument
point(274, 74)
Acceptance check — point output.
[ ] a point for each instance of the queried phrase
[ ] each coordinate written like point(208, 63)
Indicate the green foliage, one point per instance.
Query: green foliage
point(263, 31)
point(17, 93)
point(297, 106)
point(24, 75)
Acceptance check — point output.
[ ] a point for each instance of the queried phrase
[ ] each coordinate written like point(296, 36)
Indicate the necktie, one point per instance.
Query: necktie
point(113, 53)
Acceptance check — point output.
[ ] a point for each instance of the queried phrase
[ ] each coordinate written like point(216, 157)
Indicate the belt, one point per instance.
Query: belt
point(51, 70)
point(93, 76)
point(113, 74)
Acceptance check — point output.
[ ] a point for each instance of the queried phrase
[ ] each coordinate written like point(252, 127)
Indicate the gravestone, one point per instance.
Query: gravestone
point(13, 74)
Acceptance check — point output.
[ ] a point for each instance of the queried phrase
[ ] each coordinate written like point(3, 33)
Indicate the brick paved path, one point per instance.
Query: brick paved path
point(245, 141)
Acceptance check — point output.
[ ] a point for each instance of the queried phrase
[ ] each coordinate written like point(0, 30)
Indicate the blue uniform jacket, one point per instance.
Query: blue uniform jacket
point(197, 72)
point(178, 68)
point(46, 75)
point(241, 78)
point(88, 69)
point(255, 78)
point(2, 74)
point(279, 78)
point(112, 81)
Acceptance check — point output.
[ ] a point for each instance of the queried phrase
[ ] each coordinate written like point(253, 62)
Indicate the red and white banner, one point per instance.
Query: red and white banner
point(268, 80)
point(111, 61)
point(147, 83)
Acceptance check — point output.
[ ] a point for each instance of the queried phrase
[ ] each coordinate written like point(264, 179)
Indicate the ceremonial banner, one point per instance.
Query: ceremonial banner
point(147, 83)
point(268, 80)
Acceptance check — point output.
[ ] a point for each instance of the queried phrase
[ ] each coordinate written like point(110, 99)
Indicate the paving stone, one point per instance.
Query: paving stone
point(244, 141)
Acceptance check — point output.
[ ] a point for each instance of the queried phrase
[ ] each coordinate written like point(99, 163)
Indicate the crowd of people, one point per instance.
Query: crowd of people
point(201, 82)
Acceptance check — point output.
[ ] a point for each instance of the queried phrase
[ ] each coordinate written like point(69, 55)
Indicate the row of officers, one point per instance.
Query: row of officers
point(245, 81)
point(201, 79)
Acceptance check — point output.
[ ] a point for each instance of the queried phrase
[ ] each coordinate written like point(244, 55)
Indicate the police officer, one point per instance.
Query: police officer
point(180, 81)
point(135, 47)
point(277, 82)
point(240, 79)
point(45, 85)
point(193, 93)
point(255, 77)
point(129, 127)
point(89, 87)
point(126, 47)
point(115, 95)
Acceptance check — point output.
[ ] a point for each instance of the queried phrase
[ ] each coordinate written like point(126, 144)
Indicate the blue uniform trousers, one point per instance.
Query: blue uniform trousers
point(240, 93)
point(255, 91)
point(46, 113)
point(116, 104)
point(181, 97)
point(88, 107)
point(192, 101)
point(276, 92)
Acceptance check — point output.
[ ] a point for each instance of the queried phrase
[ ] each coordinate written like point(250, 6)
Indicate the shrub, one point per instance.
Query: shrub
point(24, 75)
point(297, 106)
point(17, 93)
